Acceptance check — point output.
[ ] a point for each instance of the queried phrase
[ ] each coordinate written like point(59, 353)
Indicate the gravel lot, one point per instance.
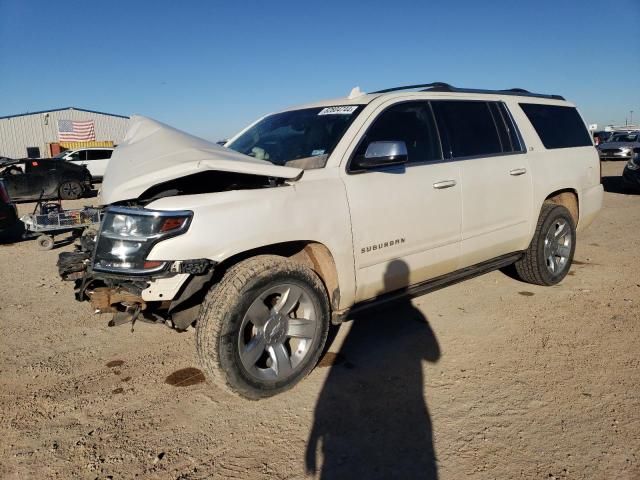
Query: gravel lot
point(490, 378)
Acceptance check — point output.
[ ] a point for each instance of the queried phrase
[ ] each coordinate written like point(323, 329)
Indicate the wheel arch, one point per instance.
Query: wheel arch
point(568, 198)
point(312, 254)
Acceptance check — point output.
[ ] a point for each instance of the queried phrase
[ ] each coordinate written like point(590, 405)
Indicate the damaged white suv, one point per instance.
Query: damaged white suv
point(318, 211)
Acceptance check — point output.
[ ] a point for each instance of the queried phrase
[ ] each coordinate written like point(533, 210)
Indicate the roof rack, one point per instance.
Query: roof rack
point(445, 87)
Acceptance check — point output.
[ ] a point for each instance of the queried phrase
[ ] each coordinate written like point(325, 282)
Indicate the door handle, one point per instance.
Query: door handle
point(517, 171)
point(444, 184)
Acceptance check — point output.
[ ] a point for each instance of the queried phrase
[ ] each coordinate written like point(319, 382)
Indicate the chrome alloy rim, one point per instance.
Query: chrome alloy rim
point(557, 246)
point(71, 189)
point(277, 332)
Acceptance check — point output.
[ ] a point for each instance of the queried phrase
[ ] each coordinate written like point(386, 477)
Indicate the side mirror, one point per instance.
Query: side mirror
point(382, 154)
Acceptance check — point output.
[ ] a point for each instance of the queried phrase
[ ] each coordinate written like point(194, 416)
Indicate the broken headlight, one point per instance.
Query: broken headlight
point(127, 236)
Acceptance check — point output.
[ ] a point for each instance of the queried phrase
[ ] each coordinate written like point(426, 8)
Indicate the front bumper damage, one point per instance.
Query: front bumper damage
point(172, 296)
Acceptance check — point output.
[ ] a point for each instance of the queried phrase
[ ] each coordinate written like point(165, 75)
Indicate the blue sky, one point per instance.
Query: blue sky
point(211, 67)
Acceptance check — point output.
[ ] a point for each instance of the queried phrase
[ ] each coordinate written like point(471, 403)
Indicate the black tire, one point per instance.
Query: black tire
point(221, 317)
point(70, 190)
point(45, 242)
point(533, 267)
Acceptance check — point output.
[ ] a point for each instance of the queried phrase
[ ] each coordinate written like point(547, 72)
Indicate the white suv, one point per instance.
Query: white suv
point(318, 211)
point(95, 159)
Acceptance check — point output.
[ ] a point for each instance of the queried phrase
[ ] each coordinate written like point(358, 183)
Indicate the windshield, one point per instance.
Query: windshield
point(624, 138)
point(301, 138)
point(61, 154)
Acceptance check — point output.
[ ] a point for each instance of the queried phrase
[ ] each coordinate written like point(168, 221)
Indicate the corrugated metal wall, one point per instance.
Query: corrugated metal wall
point(36, 130)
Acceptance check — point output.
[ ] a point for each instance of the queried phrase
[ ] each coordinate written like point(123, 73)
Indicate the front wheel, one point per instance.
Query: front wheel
point(549, 256)
point(262, 328)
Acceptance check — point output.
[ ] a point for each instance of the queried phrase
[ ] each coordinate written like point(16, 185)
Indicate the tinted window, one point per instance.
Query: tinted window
point(82, 155)
point(411, 123)
point(557, 126)
point(98, 154)
point(468, 126)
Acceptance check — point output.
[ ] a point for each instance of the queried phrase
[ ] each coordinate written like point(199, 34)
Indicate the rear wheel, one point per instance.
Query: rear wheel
point(70, 190)
point(262, 328)
point(549, 256)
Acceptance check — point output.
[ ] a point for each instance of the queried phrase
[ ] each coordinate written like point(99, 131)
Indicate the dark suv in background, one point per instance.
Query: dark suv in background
point(33, 179)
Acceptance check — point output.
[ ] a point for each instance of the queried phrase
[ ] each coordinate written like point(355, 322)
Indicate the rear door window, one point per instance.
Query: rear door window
point(557, 126)
point(469, 128)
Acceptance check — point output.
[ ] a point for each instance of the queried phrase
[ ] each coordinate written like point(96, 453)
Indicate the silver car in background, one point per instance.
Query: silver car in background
point(620, 146)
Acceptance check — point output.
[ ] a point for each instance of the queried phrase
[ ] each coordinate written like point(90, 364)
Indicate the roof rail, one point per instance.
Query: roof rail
point(411, 87)
point(445, 87)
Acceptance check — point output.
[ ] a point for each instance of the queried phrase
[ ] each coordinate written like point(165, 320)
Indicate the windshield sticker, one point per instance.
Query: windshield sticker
point(340, 110)
point(315, 153)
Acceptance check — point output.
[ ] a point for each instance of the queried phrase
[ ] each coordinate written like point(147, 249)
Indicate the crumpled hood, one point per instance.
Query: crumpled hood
point(153, 152)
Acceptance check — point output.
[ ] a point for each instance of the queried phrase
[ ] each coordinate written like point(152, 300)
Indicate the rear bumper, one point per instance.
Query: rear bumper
point(590, 205)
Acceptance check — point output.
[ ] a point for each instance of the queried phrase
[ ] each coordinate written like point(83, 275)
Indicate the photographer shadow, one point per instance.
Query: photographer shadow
point(371, 419)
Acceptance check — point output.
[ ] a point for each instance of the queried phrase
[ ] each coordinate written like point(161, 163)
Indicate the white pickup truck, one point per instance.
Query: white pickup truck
point(320, 210)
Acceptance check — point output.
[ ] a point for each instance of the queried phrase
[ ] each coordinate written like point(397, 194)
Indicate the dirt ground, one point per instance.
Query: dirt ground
point(490, 378)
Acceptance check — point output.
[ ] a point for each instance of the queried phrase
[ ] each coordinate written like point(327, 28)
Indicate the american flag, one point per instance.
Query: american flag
point(72, 131)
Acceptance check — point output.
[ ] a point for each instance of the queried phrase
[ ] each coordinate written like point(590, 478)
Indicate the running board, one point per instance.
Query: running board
point(430, 285)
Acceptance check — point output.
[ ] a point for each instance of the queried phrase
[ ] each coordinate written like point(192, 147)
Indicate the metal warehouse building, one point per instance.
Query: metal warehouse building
point(37, 134)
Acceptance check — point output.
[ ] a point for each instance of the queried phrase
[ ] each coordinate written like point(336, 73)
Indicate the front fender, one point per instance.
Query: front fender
point(228, 223)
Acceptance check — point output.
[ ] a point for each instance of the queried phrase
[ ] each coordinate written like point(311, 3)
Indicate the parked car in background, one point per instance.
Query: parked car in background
point(8, 215)
point(631, 172)
point(32, 179)
point(620, 146)
point(95, 159)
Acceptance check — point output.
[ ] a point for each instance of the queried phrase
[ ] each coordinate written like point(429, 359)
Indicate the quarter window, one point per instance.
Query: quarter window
point(469, 128)
point(557, 126)
point(411, 123)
